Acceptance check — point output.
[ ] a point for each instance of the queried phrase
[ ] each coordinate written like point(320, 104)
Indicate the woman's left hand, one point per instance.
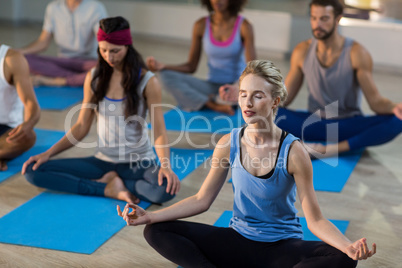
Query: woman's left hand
point(359, 250)
point(173, 182)
point(136, 217)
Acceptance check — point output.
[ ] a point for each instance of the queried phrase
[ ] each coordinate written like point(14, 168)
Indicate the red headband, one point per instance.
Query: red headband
point(121, 37)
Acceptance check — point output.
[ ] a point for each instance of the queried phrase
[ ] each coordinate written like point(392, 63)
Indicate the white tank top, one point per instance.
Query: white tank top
point(119, 141)
point(11, 107)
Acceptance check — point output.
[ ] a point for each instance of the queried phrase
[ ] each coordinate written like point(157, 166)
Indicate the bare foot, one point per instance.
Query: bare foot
point(107, 177)
point(35, 80)
point(318, 150)
point(115, 189)
point(3, 165)
point(48, 81)
point(314, 148)
point(222, 108)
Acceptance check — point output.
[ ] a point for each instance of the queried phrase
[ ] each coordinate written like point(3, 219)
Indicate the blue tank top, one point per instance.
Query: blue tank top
point(225, 59)
point(336, 85)
point(263, 209)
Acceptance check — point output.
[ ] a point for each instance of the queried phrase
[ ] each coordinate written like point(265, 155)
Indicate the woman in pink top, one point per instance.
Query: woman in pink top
point(228, 41)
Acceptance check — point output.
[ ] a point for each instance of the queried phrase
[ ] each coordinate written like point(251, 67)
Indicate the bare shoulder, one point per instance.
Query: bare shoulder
point(300, 51)
point(15, 67)
point(201, 21)
point(199, 26)
point(15, 59)
point(246, 25)
point(246, 30)
point(360, 56)
point(153, 84)
point(358, 48)
point(224, 141)
point(302, 47)
point(223, 145)
point(297, 151)
point(222, 151)
point(153, 88)
point(88, 93)
point(299, 158)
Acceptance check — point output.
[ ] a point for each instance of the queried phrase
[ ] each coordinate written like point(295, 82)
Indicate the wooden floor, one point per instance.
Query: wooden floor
point(371, 199)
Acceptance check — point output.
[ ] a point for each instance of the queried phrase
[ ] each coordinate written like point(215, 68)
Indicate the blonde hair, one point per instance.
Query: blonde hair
point(269, 72)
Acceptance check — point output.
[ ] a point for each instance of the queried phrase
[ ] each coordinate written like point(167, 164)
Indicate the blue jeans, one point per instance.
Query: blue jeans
point(359, 131)
point(78, 175)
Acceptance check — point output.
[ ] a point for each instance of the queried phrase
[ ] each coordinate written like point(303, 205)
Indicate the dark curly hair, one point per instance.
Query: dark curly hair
point(338, 7)
point(235, 6)
point(132, 65)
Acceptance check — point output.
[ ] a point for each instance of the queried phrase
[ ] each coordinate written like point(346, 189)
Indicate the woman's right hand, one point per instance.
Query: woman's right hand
point(137, 216)
point(359, 250)
point(154, 65)
point(39, 159)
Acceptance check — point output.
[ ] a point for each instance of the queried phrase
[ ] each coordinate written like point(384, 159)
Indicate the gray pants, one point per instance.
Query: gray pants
point(191, 93)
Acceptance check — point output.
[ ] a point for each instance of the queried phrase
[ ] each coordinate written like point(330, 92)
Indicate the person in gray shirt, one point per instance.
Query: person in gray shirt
point(73, 24)
point(338, 71)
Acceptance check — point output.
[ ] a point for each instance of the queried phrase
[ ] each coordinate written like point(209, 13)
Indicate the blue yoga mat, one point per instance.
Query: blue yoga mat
point(203, 121)
point(63, 222)
point(58, 98)
point(331, 174)
point(184, 161)
point(44, 140)
point(224, 220)
point(76, 223)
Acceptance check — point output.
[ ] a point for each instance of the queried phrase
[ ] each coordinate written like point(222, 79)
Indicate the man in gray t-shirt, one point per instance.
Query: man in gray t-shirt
point(338, 71)
point(73, 24)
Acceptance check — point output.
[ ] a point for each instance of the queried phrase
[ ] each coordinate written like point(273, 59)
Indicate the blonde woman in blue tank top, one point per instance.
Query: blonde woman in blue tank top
point(228, 41)
point(119, 92)
point(268, 166)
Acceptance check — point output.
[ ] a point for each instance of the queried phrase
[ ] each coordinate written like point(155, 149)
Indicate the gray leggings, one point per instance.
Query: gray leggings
point(191, 93)
point(77, 175)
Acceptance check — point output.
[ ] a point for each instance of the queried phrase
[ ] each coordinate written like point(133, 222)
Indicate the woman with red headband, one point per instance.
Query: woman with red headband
point(118, 91)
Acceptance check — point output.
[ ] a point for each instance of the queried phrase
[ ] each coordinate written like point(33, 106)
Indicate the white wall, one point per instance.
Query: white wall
point(382, 40)
point(275, 32)
point(7, 10)
point(271, 28)
point(28, 10)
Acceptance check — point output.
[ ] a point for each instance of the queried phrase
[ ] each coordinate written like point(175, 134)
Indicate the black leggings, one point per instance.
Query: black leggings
point(190, 244)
